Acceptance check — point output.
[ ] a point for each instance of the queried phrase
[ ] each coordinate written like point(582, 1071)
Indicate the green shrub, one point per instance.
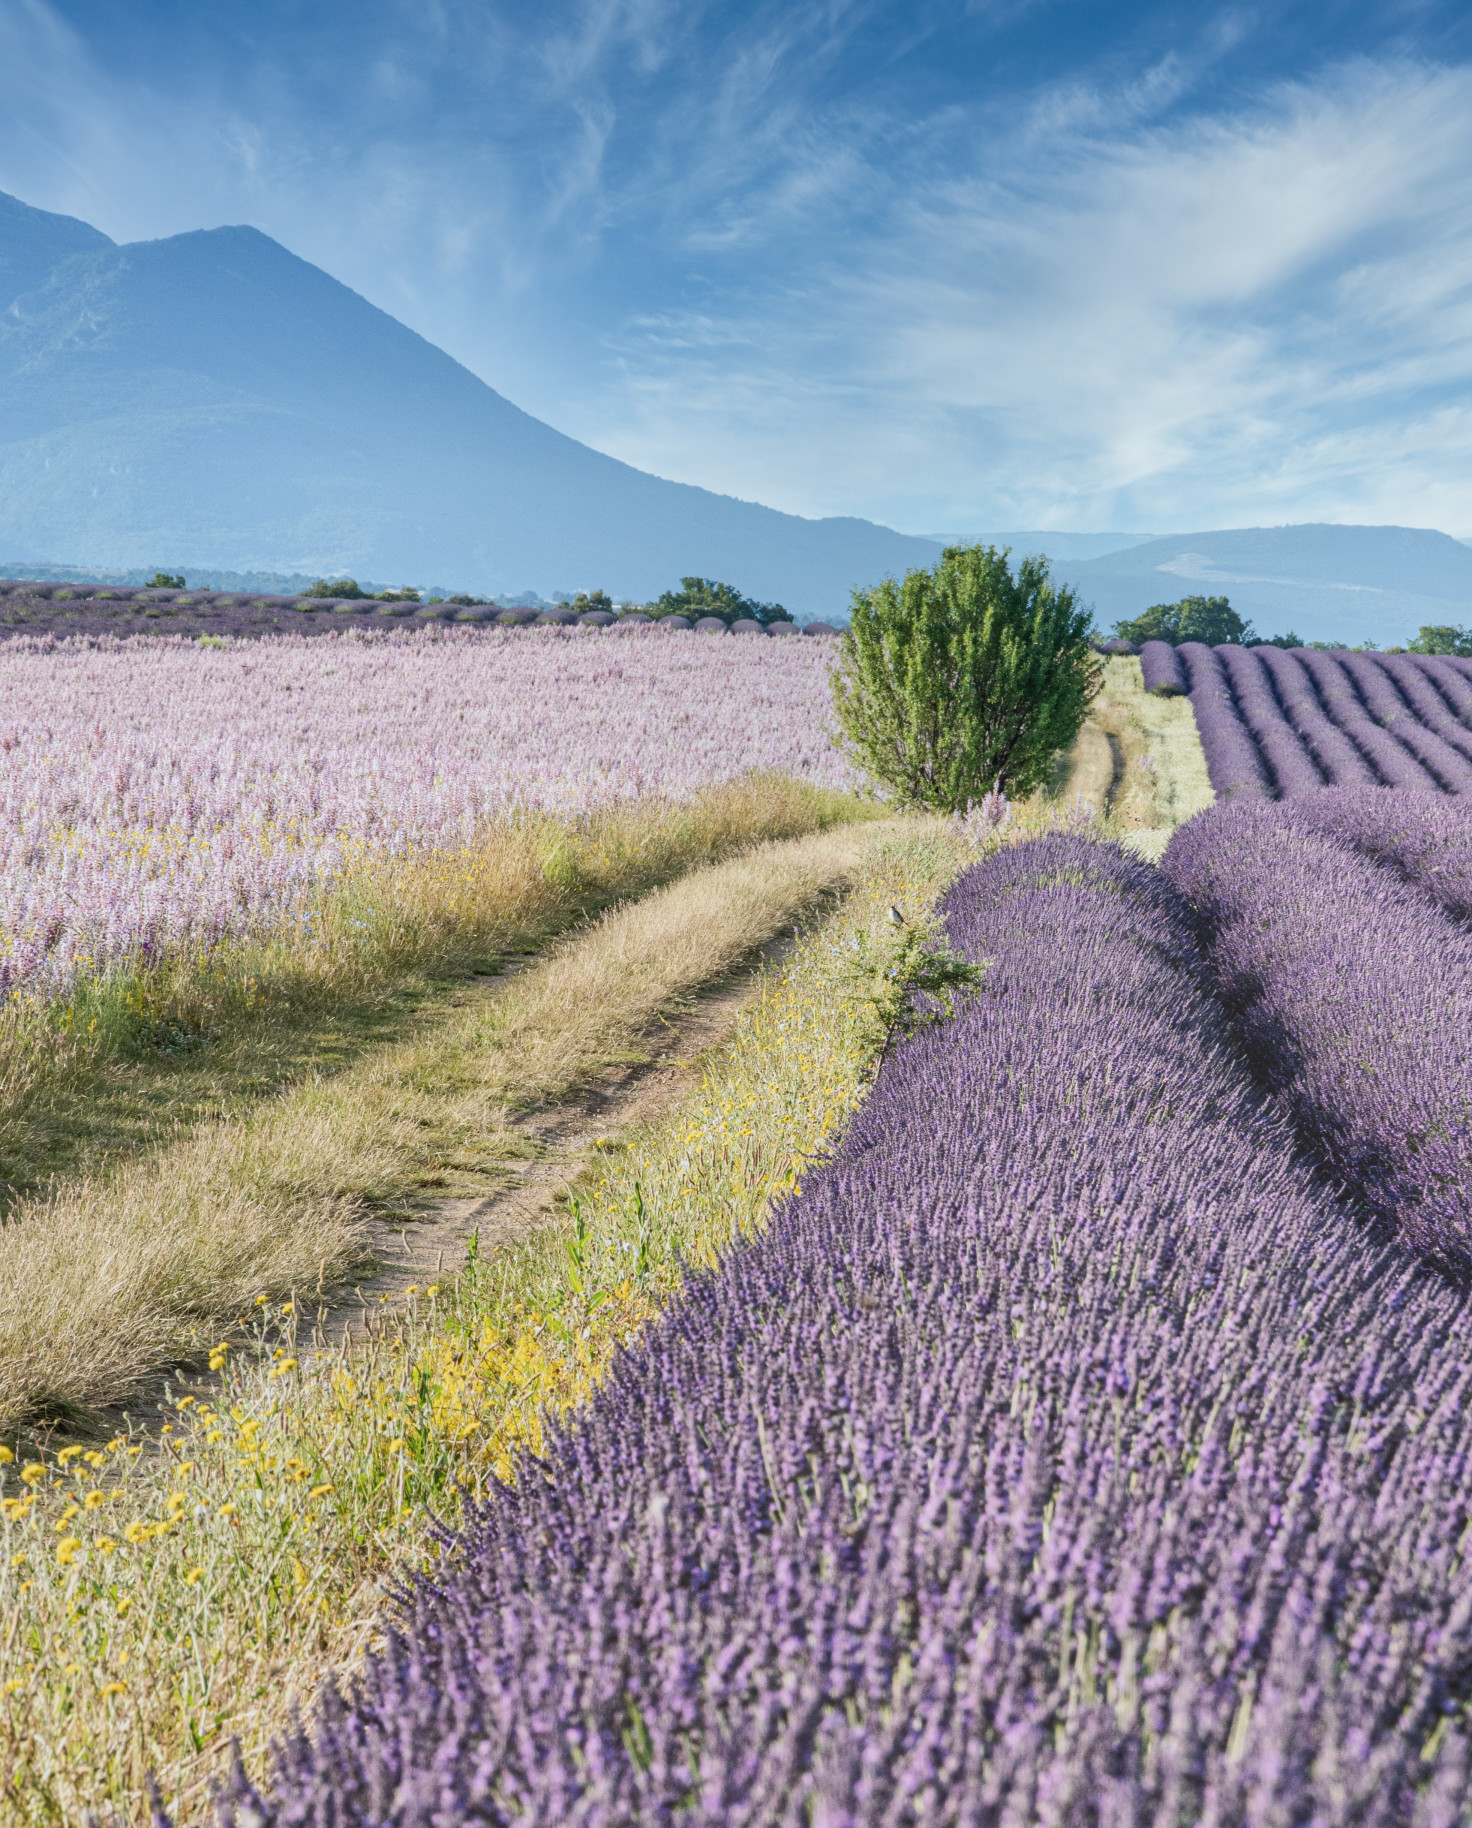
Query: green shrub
point(165, 580)
point(964, 677)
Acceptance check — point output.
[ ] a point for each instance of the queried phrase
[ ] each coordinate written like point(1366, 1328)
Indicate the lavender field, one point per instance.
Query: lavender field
point(1082, 1445)
point(1285, 723)
point(155, 794)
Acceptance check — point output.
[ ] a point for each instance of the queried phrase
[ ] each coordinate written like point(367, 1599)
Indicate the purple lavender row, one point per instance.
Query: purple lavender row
point(1288, 762)
point(1426, 841)
point(1319, 718)
point(1354, 998)
point(1232, 760)
point(1062, 1454)
point(1161, 670)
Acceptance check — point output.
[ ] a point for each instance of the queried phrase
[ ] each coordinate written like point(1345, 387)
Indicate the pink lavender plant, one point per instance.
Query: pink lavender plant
point(156, 794)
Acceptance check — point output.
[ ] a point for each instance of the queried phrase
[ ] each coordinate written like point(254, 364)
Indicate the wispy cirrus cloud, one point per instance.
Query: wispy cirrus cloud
point(944, 265)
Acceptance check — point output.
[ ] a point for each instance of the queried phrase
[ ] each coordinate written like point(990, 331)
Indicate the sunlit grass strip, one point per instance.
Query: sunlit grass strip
point(155, 1604)
point(109, 1281)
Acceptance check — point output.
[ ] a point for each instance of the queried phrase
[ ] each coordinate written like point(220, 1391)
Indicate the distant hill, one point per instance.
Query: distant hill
point(1056, 546)
point(1324, 582)
point(212, 402)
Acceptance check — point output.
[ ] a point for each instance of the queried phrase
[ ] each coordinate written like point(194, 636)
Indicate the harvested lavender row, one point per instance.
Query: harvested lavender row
point(1354, 997)
point(1232, 759)
point(1061, 1454)
point(1161, 670)
point(1425, 840)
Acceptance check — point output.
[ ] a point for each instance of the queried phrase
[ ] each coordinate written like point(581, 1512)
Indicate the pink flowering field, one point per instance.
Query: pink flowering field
point(158, 793)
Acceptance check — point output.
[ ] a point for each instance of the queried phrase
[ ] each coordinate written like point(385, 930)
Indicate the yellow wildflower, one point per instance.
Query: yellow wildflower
point(113, 1688)
point(32, 1472)
point(320, 1491)
point(6, 1456)
point(194, 1576)
point(103, 1544)
point(93, 1499)
point(66, 1550)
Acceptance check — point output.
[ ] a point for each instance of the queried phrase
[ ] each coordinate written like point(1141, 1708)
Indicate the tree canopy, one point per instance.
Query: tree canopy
point(964, 677)
point(699, 597)
point(1208, 619)
point(1444, 638)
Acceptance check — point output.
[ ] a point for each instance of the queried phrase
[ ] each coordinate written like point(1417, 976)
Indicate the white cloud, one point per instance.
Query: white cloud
point(661, 225)
point(1195, 323)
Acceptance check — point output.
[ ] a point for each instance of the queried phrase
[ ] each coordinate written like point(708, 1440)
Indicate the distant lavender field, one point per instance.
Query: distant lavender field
point(1286, 723)
point(159, 793)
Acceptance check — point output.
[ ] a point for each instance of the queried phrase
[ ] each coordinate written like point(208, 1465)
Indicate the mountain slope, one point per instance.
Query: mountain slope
point(1325, 582)
point(211, 399)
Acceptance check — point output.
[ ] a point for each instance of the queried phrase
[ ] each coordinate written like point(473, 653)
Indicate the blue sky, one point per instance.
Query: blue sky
point(951, 266)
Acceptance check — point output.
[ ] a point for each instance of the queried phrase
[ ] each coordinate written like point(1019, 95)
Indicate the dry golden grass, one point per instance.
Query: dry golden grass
point(1137, 762)
point(111, 1278)
point(192, 1594)
point(126, 1063)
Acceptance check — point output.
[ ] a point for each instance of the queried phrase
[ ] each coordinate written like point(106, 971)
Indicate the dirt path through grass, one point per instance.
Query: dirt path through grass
point(107, 1283)
point(561, 1139)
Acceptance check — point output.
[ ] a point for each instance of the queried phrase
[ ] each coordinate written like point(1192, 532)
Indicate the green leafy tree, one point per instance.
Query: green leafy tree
point(345, 588)
point(166, 580)
point(587, 601)
point(1208, 619)
point(1442, 638)
point(964, 677)
point(1288, 640)
point(699, 597)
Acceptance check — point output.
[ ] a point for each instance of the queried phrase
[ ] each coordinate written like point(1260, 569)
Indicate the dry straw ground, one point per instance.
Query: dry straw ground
point(1137, 762)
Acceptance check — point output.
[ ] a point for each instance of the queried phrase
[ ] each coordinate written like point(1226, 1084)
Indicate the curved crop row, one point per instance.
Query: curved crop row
point(1353, 995)
point(1425, 841)
point(1062, 1453)
point(1310, 719)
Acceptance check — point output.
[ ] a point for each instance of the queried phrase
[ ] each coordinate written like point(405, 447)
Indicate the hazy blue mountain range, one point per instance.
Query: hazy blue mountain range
point(1057, 545)
point(212, 401)
point(1325, 583)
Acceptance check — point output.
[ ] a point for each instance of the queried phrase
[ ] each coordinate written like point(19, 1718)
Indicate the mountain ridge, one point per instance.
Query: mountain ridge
point(213, 396)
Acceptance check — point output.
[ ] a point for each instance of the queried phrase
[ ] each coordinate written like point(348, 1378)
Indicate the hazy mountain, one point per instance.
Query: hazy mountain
point(1055, 546)
point(211, 401)
point(1325, 583)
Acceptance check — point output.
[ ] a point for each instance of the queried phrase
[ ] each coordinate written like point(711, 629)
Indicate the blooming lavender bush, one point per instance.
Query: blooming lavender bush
point(156, 794)
point(1353, 995)
point(1311, 719)
point(1425, 840)
point(1063, 1453)
point(1161, 669)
